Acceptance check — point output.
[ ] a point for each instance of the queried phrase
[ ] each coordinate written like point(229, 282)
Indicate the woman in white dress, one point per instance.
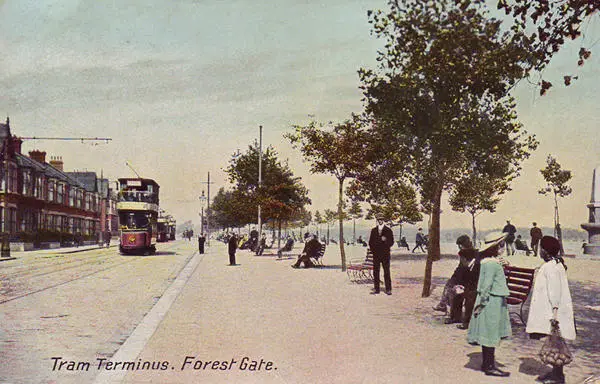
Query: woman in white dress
point(551, 300)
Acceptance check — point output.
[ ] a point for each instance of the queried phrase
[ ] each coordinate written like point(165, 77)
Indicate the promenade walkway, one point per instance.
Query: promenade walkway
point(264, 322)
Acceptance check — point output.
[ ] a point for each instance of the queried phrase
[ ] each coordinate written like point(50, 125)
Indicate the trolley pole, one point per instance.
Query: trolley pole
point(259, 178)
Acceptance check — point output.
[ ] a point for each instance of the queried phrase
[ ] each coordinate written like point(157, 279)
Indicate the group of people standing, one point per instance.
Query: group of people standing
point(514, 244)
point(479, 283)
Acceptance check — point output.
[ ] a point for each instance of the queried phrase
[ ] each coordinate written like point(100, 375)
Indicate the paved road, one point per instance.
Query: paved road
point(76, 306)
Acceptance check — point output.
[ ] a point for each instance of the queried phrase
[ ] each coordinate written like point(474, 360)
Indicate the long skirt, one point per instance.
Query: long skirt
point(492, 324)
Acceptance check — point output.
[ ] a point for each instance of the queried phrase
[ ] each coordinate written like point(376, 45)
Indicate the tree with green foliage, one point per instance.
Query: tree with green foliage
point(439, 102)
point(556, 180)
point(333, 150)
point(318, 220)
point(478, 193)
point(547, 25)
point(281, 195)
point(329, 217)
point(355, 212)
point(230, 209)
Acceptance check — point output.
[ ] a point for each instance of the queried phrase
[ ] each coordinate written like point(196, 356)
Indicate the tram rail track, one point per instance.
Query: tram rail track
point(12, 285)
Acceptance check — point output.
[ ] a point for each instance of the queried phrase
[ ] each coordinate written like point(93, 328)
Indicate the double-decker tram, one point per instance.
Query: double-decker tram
point(171, 226)
point(162, 229)
point(137, 207)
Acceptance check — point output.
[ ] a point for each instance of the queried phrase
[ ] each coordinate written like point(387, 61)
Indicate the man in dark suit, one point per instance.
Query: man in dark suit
point(232, 248)
point(380, 242)
point(201, 241)
point(311, 249)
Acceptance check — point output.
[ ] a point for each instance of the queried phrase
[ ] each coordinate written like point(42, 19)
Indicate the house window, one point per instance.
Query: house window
point(26, 189)
point(60, 194)
point(51, 185)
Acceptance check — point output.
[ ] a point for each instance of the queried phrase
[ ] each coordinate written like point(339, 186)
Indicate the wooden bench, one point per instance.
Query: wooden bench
point(361, 270)
point(318, 258)
point(520, 281)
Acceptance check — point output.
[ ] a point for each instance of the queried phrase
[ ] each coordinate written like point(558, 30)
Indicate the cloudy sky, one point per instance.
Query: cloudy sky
point(179, 86)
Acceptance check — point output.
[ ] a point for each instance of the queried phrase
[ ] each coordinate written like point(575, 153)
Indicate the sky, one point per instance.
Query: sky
point(180, 86)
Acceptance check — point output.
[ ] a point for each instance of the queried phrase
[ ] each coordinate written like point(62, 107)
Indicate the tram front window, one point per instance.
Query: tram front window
point(134, 220)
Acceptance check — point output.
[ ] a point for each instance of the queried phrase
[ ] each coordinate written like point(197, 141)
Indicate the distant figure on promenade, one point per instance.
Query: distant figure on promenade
point(107, 236)
point(232, 245)
point(201, 241)
point(262, 244)
point(420, 240)
point(536, 235)
point(520, 245)
point(78, 239)
point(490, 322)
point(551, 302)
point(311, 249)
point(453, 295)
point(403, 243)
point(289, 245)
point(361, 241)
point(380, 242)
point(510, 239)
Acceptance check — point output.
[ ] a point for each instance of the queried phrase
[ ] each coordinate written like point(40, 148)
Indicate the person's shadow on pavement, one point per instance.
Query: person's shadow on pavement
point(532, 367)
point(475, 361)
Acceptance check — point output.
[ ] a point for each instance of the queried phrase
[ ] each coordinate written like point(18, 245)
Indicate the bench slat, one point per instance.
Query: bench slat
point(517, 288)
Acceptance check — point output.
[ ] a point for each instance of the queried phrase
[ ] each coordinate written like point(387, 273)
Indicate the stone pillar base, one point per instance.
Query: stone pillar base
point(591, 249)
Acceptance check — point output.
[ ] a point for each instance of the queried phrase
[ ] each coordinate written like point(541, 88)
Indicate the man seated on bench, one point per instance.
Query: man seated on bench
point(522, 246)
point(289, 245)
point(402, 243)
point(311, 249)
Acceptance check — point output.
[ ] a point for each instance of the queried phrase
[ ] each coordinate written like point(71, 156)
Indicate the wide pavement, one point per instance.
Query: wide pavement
point(264, 322)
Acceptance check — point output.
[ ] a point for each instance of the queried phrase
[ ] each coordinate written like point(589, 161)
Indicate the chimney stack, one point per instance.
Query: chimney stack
point(39, 156)
point(57, 162)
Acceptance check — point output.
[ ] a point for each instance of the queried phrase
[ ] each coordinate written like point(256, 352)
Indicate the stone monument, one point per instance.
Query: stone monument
point(593, 225)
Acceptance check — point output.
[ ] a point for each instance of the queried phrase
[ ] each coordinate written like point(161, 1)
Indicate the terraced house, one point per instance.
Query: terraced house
point(41, 205)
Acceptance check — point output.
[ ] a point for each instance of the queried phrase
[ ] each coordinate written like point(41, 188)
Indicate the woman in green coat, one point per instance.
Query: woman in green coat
point(490, 321)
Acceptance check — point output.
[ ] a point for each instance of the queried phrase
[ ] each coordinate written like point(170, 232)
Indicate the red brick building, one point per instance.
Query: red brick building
point(39, 202)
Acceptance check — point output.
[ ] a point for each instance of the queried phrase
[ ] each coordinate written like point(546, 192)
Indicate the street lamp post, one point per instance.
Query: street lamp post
point(202, 199)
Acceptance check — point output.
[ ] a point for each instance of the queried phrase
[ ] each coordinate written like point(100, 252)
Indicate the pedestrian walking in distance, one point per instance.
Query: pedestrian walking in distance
point(510, 238)
point(490, 322)
point(420, 240)
point(232, 245)
point(201, 241)
point(536, 235)
point(551, 301)
point(380, 242)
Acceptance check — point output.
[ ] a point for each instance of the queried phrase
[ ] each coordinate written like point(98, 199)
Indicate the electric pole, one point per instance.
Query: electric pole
point(259, 178)
point(208, 183)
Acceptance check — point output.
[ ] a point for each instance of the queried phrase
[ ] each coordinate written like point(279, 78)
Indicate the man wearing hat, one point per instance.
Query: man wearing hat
point(380, 242)
point(551, 301)
point(510, 238)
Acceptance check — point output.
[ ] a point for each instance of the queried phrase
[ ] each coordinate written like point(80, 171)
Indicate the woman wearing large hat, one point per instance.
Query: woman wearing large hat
point(490, 321)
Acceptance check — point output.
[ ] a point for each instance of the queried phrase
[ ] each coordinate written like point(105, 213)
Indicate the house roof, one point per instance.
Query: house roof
point(50, 171)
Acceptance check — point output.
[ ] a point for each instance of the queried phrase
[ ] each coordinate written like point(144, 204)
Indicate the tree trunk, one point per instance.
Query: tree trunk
point(433, 245)
point(353, 231)
point(474, 230)
point(557, 230)
point(341, 234)
point(279, 234)
point(328, 233)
